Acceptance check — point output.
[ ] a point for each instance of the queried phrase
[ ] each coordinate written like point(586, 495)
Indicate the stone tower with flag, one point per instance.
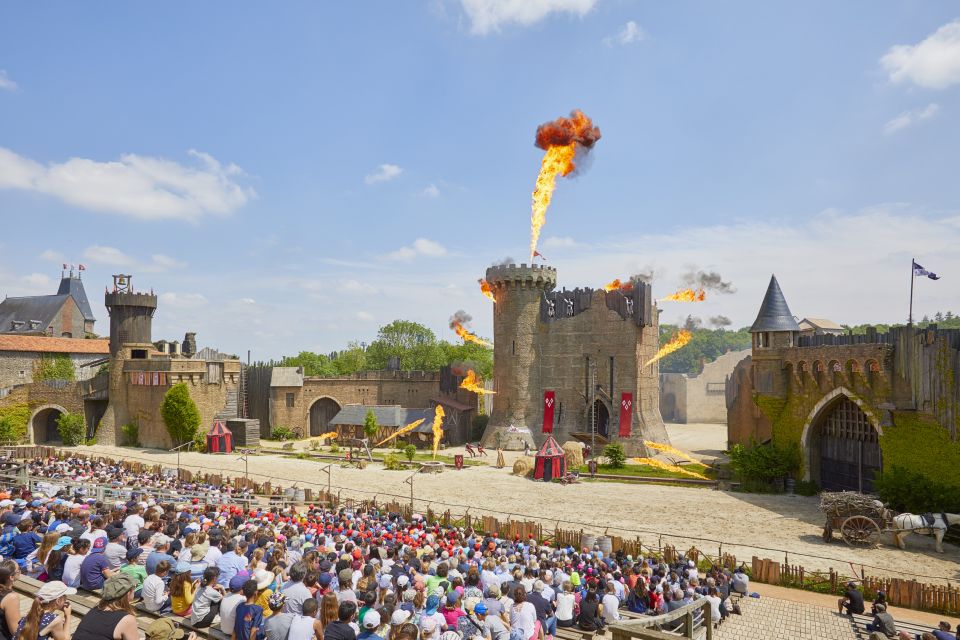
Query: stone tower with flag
point(570, 362)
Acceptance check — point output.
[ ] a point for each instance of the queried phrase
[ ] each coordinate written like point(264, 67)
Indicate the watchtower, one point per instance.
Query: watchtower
point(131, 313)
point(518, 290)
point(774, 330)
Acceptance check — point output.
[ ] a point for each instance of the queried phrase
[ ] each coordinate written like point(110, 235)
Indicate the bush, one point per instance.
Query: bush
point(909, 491)
point(199, 442)
point(180, 414)
point(72, 428)
point(806, 488)
point(392, 462)
point(615, 455)
point(334, 447)
point(410, 451)
point(282, 433)
point(131, 435)
point(314, 445)
point(370, 426)
point(759, 466)
point(13, 422)
point(57, 367)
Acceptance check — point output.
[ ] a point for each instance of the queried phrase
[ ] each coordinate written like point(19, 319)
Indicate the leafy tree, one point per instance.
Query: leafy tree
point(410, 451)
point(180, 414)
point(938, 316)
point(476, 356)
point(370, 425)
point(415, 345)
point(72, 428)
point(353, 359)
point(615, 455)
point(706, 345)
point(314, 364)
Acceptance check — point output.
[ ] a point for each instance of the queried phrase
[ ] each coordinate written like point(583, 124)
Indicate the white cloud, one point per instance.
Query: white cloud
point(384, 173)
point(557, 242)
point(38, 281)
point(431, 191)
point(933, 63)
point(908, 118)
point(247, 301)
point(183, 300)
point(53, 256)
point(489, 15)
point(420, 247)
point(110, 256)
point(163, 262)
point(137, 186)
point(365, 316)
point(6, 83)
point(355, 286)
point(629, 33)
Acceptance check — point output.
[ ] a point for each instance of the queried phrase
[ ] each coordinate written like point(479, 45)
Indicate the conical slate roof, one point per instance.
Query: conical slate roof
point(774, 313)
point(74, 287)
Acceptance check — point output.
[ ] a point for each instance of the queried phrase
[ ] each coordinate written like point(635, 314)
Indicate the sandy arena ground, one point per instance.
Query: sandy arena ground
point(744, 522)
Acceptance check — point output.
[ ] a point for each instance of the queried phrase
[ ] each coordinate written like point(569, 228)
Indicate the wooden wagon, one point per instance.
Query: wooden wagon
point(859, 518)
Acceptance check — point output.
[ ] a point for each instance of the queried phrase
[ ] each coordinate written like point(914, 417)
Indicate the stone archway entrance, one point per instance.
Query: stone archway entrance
point(844, 447)
point(601, 418)
point(43, 425)
point(321, 412)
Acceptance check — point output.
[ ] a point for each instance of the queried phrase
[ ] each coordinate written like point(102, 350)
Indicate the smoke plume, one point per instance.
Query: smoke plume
point(721, 321)
point(502, 263)
point(692, 323)
point(644, 275)
point(461, 318)
point(710, 280)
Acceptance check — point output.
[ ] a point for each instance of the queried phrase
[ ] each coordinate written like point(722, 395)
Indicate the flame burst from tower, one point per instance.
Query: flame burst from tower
point(562, 140)
point(472, 383)
point(687, 295)
point(487, 290)
point(399, 432)
point(678, 341)
point(617, 285)
point(457, 322)
point(437, 429)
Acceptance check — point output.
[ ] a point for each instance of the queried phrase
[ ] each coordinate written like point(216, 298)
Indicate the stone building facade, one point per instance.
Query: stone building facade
point(66, 314)
point(701, 398)
point(20, 357)
point(577, 354)
point(855, 405)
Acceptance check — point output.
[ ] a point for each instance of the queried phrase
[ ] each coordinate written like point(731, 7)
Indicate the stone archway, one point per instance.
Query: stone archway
point(43, 424)
point(321, 411)
point(840, 442)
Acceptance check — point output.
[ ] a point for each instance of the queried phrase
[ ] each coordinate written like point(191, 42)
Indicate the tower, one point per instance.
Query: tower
point(774, 330)
point(518, 290)
point(73, 286)
point(131, 314)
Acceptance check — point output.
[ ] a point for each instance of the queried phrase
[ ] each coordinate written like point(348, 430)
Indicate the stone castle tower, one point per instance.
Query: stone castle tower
point(579, 354)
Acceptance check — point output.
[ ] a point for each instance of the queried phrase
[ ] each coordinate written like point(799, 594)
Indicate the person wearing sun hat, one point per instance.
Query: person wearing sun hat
point(113, 617)
point(166, 629)
point(45, 618)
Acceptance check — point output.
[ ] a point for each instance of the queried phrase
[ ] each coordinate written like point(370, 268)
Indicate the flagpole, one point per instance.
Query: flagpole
point(913, 275)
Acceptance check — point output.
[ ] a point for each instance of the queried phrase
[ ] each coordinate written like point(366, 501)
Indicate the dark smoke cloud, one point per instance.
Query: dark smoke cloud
point(644, 275)
point(692, 323)
point(504, 262)
point(563, 131)
point(461, 317)
point(709, 280)
point(721, 321)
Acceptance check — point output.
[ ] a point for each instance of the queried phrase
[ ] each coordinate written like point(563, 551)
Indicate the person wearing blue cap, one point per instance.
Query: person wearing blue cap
point(230, 602)
point(493, 627)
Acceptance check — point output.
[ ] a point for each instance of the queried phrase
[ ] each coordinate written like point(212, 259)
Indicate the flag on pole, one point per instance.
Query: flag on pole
point(537, 254)
point(82, 268)
point(918, 270)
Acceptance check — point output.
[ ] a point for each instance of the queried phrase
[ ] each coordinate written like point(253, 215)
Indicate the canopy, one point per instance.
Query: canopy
point(550, 462)
point(219, 438)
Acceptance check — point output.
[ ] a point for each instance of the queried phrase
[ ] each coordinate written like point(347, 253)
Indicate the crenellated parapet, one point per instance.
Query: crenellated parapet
point(522, 276)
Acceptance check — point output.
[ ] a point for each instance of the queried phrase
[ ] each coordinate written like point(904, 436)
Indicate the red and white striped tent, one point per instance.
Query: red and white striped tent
point(550, 461)
point(219, 439)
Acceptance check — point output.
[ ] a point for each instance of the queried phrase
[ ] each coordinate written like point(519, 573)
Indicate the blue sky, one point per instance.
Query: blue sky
point(291, 177)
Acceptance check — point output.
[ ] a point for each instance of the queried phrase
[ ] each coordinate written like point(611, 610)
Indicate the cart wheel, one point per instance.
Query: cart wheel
point(860, 530)
point(828, 533)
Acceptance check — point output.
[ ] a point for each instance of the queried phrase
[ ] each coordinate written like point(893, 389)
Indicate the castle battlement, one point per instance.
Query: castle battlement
point(124, 299)
point(522, 275)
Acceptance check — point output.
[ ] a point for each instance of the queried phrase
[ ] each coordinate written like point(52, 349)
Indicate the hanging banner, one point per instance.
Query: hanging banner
point(626, 414)
point(549, 400)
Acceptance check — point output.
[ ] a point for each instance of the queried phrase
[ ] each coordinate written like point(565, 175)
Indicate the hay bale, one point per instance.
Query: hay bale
point(523, 466)
point(573, 454)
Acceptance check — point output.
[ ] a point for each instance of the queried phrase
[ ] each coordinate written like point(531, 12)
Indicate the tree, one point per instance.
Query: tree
point(410, 451)
point(615, 455)
point(370, 426)
point(314, 364)
point(706, 345)
point(180, 414)
point(71, 427)
point(415, 345)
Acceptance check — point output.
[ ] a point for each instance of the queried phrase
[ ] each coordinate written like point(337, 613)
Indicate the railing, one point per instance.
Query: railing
point(690, 621)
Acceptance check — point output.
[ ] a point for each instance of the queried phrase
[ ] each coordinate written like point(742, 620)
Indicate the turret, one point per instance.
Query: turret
point(131, 314)
point(775, 326)
point(518, 290)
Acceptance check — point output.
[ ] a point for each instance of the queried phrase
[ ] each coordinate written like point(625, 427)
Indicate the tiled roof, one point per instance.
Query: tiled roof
point(387, 415)
point(774, 313)
point(286, 377)
point(43, 309)
point(74, 287)
point(821, 323)
point(44, 344)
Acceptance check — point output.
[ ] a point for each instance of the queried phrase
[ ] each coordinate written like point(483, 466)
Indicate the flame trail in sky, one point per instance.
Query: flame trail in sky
point(472, 383)
point(616, 284)
point(678, 341)
point(487, 290)
point(437, 429)
point(687, 295)
point(399, 432)
point(458, 321)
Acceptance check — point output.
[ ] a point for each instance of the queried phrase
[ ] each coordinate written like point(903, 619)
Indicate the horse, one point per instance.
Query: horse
point(928, 524)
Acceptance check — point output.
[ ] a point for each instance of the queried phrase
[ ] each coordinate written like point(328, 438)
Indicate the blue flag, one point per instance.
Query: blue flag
point(918, 270)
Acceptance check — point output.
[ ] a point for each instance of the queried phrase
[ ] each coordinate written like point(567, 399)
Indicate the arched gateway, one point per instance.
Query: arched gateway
point(321, 412)
point(842, 444)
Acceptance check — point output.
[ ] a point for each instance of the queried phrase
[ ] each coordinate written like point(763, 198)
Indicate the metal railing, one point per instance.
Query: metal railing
point(690, 621)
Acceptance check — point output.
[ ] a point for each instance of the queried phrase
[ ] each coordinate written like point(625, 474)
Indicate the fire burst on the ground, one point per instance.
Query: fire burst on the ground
point(437, 429)
point(687, 295)
point(617, 285)
point(487, 290)
point(562, 140)
point(678, 341)
point(472, 383)
point(399, 432)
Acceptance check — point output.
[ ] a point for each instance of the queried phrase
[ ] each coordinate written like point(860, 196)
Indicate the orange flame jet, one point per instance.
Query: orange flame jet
point(615, 285)
point(678, 341)
point(687, 295)
point(561, 139)
point(329, 434)
point(469, 337)
point(487, 290)
point(437, 429)
point(472, 383)
point(399, 432)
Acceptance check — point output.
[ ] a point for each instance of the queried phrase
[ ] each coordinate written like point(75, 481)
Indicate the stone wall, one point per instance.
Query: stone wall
point(700, 398)
point(68, 322)
point(12, 363)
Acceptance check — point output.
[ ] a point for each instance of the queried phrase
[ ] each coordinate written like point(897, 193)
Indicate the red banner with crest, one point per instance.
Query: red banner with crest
point(626, 414)
point(549, 402)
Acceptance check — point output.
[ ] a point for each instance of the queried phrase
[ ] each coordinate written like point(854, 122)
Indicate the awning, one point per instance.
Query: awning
point(450, 402)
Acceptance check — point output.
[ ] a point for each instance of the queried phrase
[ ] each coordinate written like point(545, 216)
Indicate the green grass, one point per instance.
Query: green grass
point(651, 472)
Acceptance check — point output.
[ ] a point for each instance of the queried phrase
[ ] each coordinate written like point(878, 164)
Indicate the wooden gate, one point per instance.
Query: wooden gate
point(320, 414)
point(849, 449)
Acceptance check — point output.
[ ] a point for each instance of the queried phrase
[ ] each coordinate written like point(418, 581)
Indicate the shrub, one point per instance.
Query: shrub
point(56, 367)
point(909, 491)
point(180, 414)
point(410, 451)
point(392, 462)
point(764, 465)
point(334, 447)
point(13, 422)
point(282, 433)
point(131, 435)
point(199, 442)
point(72, 428)
point(314, 445)
point(615, 455)
point(370, 426)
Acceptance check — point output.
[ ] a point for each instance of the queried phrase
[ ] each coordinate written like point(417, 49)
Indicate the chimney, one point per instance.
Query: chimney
point(162, 346)
point(175, 348)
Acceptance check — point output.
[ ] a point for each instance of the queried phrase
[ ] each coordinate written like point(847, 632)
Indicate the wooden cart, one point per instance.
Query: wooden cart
point(859, 518)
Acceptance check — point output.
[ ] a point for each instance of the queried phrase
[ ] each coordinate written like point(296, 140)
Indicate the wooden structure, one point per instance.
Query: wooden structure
point(860, 519)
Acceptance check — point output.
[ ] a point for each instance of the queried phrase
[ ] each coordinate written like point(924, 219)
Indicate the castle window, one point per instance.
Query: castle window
point(23, 373)
point(760, 343)
point(289, 400)
point(138, 354)
point(611, 376)
point(514, 347)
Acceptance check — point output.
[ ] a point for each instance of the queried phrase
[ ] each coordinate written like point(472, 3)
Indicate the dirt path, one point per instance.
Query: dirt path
point(786, 524)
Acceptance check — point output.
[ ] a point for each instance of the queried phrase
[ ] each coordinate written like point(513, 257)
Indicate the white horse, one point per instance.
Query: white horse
point(930, 524)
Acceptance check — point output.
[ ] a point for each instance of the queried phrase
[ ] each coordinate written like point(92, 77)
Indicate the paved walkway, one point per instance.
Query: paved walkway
point(769, 618)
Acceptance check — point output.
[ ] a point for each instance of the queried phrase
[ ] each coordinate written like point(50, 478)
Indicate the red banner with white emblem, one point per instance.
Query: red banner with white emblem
point(549, 402)
point(626, 414)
